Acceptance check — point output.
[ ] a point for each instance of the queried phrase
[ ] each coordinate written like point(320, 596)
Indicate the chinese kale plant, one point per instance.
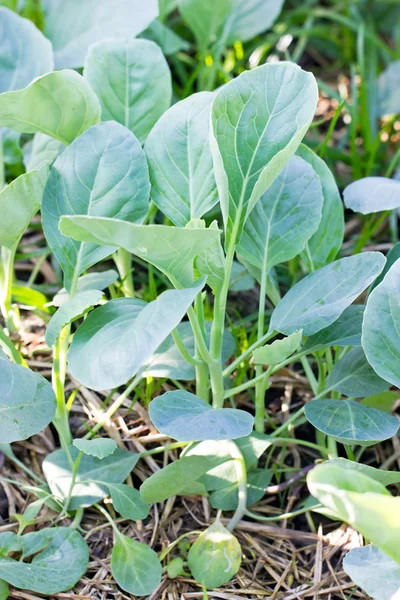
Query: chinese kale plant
point(217, 185)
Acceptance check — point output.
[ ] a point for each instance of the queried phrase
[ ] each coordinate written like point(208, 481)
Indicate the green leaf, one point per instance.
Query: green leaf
point(185, 417)
point(24, 52)
point(170, 249)
point(73, 26)
point(4, 590)
point(278, 351)
point(122, 326)
point(180, 161)
point(93, 475)
point(227, 498)
point(388, 86)
point(392, 256)
point(128, 502)
point(380, 333)
point(60, 104)
point(175, 477)
point(135, 566)
point(11, 142)
point(99, 447)
point(258, 121)
point(374, 572)
point(353, 376)
point(323, 247)
point(98, 280)
point(71, 310)
point(321, 297)
point(241, 280)
point(41, 150)
point(384, 401)
point(384, 477)
point(205, 18)
point(132, 80)
point(103, 173)
point(350, 422)
point(215, 556)
point(285, 217)
point(27, 402)
point(19, 202)
point(30, 299)
point(57, 567)
point(167, 361)
point(250, 18)
point(361, 502)
point(345, 331)
point(167, 7)
point(372, 194)
point(163, 36)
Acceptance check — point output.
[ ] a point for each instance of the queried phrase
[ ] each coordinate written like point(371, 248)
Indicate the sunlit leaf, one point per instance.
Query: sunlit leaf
point(374, 572)
point(99, 447)
point(135, 566)
point(278, 351)
point(372, 194)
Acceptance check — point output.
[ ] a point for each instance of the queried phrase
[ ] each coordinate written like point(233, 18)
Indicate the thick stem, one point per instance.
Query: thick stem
point(61, 422)
point(202, 375)
point(241, 474)
point(261, 385)
point(123, 261)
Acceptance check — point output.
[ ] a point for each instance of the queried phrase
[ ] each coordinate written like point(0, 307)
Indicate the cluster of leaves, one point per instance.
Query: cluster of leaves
point(108, 156)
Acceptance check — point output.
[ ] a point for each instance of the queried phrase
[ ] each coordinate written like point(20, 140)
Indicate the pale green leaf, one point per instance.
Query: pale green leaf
point(240, 280)
point(19, 202)
point(205, 18)
point(185, 417)
point(285, 217)
point(384, 401)
point(41, 150)
point(74, 25)
point(251, 17)
point(60, 104)
point(11, 145)
point(169, 42)
point(380, 334)
point(372, 194)
point(321, 297)
point(392, 256)
point(132, 80)
point(227, 498)
point(353, 376)
point(128, 502)
point(374, 572)
point(24, 52)
point(71, 310)
point(278, 351)
point(98, 280)
point(103, 173)
point(135, 566)
point(98, 447)
point(258, 122)
point(4, 590)
point(381, 476)
point(345, 331)
point(215, 556)
point(388, 84)
point(130, 331)
point(180, 162)
point(350, 422)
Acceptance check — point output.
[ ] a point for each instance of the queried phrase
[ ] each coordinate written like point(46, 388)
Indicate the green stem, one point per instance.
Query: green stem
point(230, 368)
point(123, 261)
point(110, 520)
point(261, 385)
point(6, 281)
point(61, 422)
point(72, 485)
point(202, 375)
point(182, 349)
point(288, 515)
point(10, 349)
point(241, 474)
point(261, 388)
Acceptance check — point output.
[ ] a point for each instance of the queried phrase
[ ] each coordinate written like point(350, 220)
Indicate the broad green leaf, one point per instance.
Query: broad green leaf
point(93, 475)
point(323, 247)
point(388, 86)
point(4, 590)
point(57, 567)
point(180, 161)
point(241, 280)
point(135, 566)
point(185, 417)
point(168, 362)
point(132, 80)
point(384, 401)
point(131, 331)
point(30, 299)
point(384, 477)
point(41, 150)
point(19, 202)
point(205, 18)
point(175, 477)
point(227, 498)
point(60, 104)
point(392, 256)
point(211, 263)
point(24, 52)
point(321, 297)
point(71, 310)
point(215, 556)
point(345, 331)
point(128, 502)
point(250, 18)
point(258, 121)
point(166, 7)
point(99, 447)
point(278, 351)
point(380, 333)
point(350, 422)
point(27, 402)
point(170, 249)
point(374, 572)
point(372, 194)
point(353, 376)
point(103, 173)
point(74, 25)
point(285, 217)
point(11, 145)
point(361, 502)
point(169, 42)
point(98, 280)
